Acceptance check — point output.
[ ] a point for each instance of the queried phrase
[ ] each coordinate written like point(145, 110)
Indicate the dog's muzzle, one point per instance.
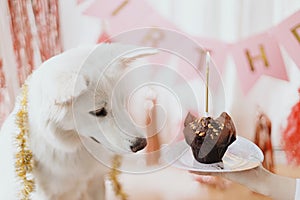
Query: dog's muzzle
point(139, 144)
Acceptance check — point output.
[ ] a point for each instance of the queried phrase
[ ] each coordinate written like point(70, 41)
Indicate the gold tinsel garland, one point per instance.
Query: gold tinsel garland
point(24, 159)
point(113, 176)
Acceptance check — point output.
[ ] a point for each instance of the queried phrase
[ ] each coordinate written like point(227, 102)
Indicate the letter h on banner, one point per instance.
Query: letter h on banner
point(263, 48)
point(258, 57)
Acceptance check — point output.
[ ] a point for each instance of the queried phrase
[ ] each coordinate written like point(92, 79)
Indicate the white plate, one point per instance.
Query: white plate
point(241, 155)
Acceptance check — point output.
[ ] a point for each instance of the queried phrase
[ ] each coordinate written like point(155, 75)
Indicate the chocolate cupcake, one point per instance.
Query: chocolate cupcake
point(209, 138)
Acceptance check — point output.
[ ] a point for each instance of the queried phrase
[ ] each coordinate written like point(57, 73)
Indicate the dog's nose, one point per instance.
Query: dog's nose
point(139, 144)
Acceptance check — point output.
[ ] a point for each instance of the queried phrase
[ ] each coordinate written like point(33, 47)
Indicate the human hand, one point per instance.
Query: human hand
point(261, 181)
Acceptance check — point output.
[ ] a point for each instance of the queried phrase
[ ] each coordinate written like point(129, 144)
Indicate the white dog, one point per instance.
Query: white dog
point(70, 103)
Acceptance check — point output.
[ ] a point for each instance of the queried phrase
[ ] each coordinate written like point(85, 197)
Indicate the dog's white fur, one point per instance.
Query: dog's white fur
point(60, 95)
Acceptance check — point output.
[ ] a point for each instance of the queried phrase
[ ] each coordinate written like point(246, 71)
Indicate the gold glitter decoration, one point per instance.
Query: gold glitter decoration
point(113, 176)
point(24, 158)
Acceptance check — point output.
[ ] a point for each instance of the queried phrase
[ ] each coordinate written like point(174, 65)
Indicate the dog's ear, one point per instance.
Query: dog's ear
point(136, 54)
point(130, 55)
point(69, 86)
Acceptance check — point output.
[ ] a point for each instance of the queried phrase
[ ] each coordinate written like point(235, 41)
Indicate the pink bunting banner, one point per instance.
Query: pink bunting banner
point(256, 56)
point(122, 15)
point(126, 15)
point(288, 34)
point(104, 10)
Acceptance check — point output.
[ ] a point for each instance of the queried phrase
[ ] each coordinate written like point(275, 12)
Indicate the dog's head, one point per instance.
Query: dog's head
point(83, 99)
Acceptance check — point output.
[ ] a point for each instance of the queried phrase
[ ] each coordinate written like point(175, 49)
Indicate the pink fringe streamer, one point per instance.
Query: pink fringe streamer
point(35, 33)
point(46, 18)
point(46, 14)
point(3, 94)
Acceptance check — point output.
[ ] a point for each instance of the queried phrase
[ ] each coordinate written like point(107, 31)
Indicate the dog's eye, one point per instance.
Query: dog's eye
point(99, 112)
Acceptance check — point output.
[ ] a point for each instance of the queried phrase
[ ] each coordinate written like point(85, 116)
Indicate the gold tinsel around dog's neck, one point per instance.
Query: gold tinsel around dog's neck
point(113, 176)
point(24, 158)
